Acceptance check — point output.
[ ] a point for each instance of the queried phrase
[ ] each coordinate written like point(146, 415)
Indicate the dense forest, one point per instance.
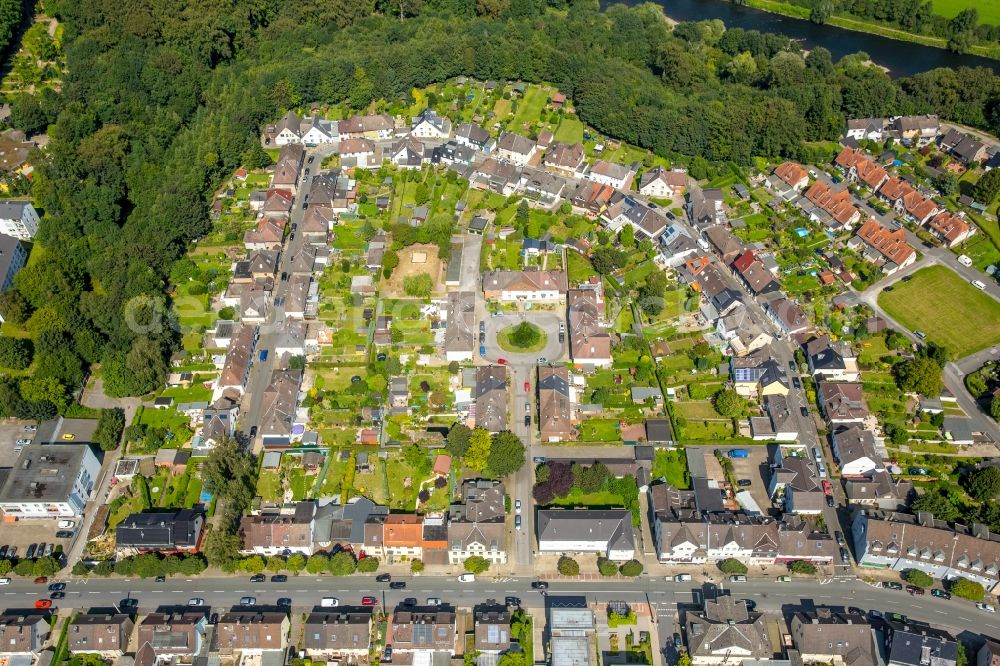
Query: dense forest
point(164, 97)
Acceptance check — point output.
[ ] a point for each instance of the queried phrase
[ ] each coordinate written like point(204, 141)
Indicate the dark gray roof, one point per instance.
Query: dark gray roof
point(44, 472)
point(611, 525)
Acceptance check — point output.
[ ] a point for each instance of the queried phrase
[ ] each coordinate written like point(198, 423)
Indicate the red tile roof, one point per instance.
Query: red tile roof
point(837, 204)
point(791, 173)
point(949, 227)
point(890, 244)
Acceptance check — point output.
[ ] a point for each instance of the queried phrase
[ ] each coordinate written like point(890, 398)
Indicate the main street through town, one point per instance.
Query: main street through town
point(656, 596)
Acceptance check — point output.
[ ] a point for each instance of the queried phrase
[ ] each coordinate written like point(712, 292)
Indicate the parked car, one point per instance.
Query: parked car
point(845, 556)
point(501, 361)
point(796, 383)
point(517, 506)
point(43, 603)
point(542, 360)
point(30, 428)
point(49, 547)
point(913, 589)
point(678, 643)
point(30, 553)
point(57, 587)
point(744, 483)
point(248, 601)
point(284, 602)
point(804, 411)
point(369, 601)
point(3, 552)
point(737, 579)
point(784, 579)
point(41, 580)
point(940, 594)
point(517, 522)
point(387, 653)
point(512, 601)
point(5, 581)
point(383, 578)
point(527, 420)
point(329, 602)
point(433, 601)
point(539, 585)
point(410, 601)
point(839, 536)
point(682, 578)
point(130, 602)
point(891, 585)
point(979, 284)
point(196, 601)
point(827, 487)
point(397, 585)
point(258, 578)
point(23, 442)
point(467, 578)
point(279, 578)
point(527, 386)
point(161, 579)
point(64, 534)
point(830, 502)
point(986, 607)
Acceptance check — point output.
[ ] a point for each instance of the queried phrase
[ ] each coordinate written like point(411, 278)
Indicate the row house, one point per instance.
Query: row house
point(741, 333)
point(339, 634)
point(662, 183)
point(626, 211)
point(459, 334)
point(334, 191)
point(787, 315)
point(536, 286)
point(727, 631)
point(453, 153)
point(422, 632)
point(22, 634)
point(374, 127)
point(490, 398)
point(838, 204)
point(239, 357)
point(496, 176)
point(267, 235)
point(288, 167)
point(794, 482)
point(591, 198)
point(408, 153)
point(313, 131)
point(618, 176)
point(691, 538)
point(758, 374)
point(949, 228)
point(589, 339)
point(754, 275)
point(541, 186)
point(888, 250)
point(565, 159)
point(475, 137)
point(778, 424)
point(906, 200)
point(279, 424)
point(857, 166)
point(103, 634)
point(879, 490)
point(174, 635)
point(706, 207)
point(914, 130)
point(252, 633)
point(288, 529)
point(277, 203)
point(477, 526)
point(823, 636)
point(902, 541)
point(725, 246)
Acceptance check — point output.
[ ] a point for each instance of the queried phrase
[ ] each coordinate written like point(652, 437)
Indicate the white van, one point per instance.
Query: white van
point(978, 284)
point(682, 578)
point(329, 602)
point(964, 260)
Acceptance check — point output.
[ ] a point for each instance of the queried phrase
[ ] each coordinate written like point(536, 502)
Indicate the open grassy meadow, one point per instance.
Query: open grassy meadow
point(947, 308)
point(989, 10)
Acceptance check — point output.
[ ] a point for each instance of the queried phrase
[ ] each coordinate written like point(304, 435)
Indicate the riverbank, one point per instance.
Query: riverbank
point(871, 27)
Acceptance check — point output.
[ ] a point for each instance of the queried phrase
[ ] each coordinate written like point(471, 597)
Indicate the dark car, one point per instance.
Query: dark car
point(792, 366)
point(280, 578)
point(804, 411)
point(30, 553)
point(253, 431)
point(896, 617)
point(161, 579)
point(214, 619)
point(913, 589)
point(284, 275)
point(355, 379)
point(678, 643)
point(482, 338)
point(383, 578)
point(796, 383)
point(940, 594)
point(907, 278)
point(397, 585)
point(62, 534)
point(527, 420)
point(381, 357)
point(284, 602)
point(258, 578)
point(410, 601)
point(512, 601)
point(128, 603)
point(57, 587)
point(57, 595)
point(839, 536)
point(751, 604)
point(830, 502)
point(744, 483)
point(387, 653)
point(539, 585)
point(845, 557)
point(311, 158)
point(854, 610)
point(3, 552)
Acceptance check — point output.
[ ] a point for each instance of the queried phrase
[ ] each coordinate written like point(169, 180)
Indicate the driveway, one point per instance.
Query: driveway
point(547, 321)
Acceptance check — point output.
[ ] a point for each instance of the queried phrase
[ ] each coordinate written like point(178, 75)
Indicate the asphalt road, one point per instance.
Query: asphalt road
point(661, 597)
point(548, 321)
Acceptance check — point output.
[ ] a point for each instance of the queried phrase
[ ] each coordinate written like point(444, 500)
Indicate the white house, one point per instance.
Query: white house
point(288, 130)
point(50, 481)
point(539, 286)
point(18, 219)
point(608, 532)
point(854, 449)
point(319, 131)
point(516, 149)
point(429, 125)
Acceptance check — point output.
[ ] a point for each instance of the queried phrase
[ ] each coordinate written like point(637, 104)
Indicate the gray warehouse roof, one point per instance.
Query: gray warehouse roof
point(44, 473)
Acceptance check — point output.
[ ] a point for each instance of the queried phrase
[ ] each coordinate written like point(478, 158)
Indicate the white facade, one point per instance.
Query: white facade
point(18, 219)
point(518, 159)
point(531, 295)
point(316, 135)
point(32, 467)
point(492, 555)
point(657, 188)
point(425, 129)
point(285, 137)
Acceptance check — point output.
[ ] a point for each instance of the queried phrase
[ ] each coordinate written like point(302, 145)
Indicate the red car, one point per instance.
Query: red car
point(369, 601)
point(527, 386)
point(827, 487)
point(43, 603)
point(501, 361)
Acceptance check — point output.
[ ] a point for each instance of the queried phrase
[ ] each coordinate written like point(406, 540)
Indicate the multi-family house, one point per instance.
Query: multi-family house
point(477, 526)
point(605, 531)
point(627, 211)
point(565, 159)
point(277, 203)
point(555, 423)
point(473, 136)
point(490, 395)
point(726, 630)
point(903, 541)
point(491, 631)
point(913, 644)
point(778, 424)
point(918, 130)
point(857, 166)
point(706, 207)
point(169, 531)
point(375, 127)
point(459, 336)
point(528, 285)
point(343, 633)
point(22, 634)
point(236, 367)
point(879, 491)
point(842, 403)
point(357, 152)
point(831, 361)
point(318, 131)
point(408, 153)
point(866, 128)
point(267, 235)
point(541, 186)
point(429, 125)
point(516, 149)
point(422, 631)
point(795, 482)
point(888, 250)
point(13, 257)
point(50, 481)
point(662, 183)
point(589, 339)
point(906, 200)
point(726, 246)
point(968, 149)
point(251, 632)
point(104, 634)
point(287, 130)
point(612, 174)
point(758, 374)
point(951, 229)
point(828, 637)
point(288, 167)
point(402, 536)
point(278, 409)
point(788, 316)
point(289, 529)
point(174, 634)
point(838, 204)
point(497, 176)
point(18, 219)
point(855, 451)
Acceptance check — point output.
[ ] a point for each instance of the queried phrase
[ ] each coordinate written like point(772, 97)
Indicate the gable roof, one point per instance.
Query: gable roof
point(890, 244)
point(491, 397)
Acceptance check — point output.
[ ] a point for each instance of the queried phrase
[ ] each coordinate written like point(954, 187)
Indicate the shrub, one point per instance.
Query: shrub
point(368, 565)
point(440, 482)
point(416, 566)
point(732, 566)
point(967, 589)
point(617, 619)
point(476, 564)
point(568, 566)
point(632, 568)
point(802, 567)
point(606, 567)
point(919, 578)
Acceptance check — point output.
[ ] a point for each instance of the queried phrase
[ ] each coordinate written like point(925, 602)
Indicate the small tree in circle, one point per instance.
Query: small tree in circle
point(568, 566)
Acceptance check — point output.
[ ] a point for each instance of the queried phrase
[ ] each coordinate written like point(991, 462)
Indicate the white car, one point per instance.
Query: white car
point(4, 581)
point(196, 602)
point(66, 524)
point(467, 578)
point(979, 284)
point(517, 506)
point(986, 607)
point(737, 579)
point(433, 601)
point(329, 602)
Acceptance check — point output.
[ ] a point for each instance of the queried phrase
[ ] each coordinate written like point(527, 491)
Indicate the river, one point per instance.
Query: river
point(901, 58)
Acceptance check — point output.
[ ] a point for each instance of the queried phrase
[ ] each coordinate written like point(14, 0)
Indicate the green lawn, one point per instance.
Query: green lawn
point(570, 130)
point(672, 466)
point(596, 499)
point(989, 10)
point(600, 430)
point(580, 269)
point(949, 310)
point(505, 342)
point(529, 107)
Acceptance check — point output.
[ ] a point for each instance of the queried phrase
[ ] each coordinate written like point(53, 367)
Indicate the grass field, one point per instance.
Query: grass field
point(989, 10)
point(958, 316)
point(570, 130)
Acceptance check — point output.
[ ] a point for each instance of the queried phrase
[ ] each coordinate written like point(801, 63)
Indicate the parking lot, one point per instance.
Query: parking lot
point(12, 430)
point(755, 469)
point(23, 533)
